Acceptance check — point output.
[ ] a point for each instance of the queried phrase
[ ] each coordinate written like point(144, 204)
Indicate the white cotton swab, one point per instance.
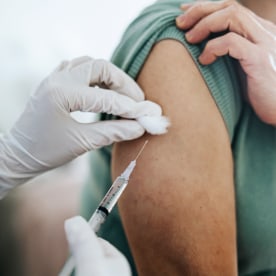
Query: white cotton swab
point(155, 125)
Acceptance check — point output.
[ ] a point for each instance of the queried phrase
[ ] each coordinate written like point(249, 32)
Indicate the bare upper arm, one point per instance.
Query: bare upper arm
point(178, 210)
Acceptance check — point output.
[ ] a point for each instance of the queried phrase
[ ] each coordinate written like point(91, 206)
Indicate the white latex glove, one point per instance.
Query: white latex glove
point(46, 136)
point(93, 256)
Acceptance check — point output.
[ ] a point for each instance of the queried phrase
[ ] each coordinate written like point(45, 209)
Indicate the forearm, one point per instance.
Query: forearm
point(4, 186)
point(9, 177)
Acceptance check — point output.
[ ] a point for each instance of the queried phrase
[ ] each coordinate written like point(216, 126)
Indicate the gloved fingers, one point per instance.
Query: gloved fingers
point(106, 75)
point(116, 259)
point(91, 136)
point(77, 62)
point(92, 255)
point(85, 247)
point(100, 100)
point(61, 66)
point(69, 64)
point(110, 250)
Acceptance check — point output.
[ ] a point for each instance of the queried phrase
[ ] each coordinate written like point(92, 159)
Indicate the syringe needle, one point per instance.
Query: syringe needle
point(139, 153)
point(127, 172)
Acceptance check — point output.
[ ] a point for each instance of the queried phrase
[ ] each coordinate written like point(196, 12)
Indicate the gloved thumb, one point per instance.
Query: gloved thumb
point(85, 247)
point(99, 134)
point(93, 256)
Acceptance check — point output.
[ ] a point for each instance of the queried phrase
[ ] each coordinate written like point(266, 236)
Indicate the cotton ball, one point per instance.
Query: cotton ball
point(154, 125)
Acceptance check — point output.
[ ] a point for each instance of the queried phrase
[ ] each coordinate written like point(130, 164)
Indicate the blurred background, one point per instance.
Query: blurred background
point(36, 35)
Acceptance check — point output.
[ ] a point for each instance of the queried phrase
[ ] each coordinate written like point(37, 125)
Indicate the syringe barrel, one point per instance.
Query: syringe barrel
point(97, 219)
point(105, 207)
point(113, 193)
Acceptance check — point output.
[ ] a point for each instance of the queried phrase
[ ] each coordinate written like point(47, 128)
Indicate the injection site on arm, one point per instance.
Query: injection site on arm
point(185, 177)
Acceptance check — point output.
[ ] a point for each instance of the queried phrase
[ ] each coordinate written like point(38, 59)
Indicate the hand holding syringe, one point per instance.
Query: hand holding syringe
point(106, 205)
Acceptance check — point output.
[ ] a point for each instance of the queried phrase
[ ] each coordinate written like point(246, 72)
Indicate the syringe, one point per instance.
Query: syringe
point(105, 206)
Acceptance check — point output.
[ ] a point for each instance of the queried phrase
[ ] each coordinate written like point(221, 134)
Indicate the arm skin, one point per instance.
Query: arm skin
point(179, 210)
point(265, 9)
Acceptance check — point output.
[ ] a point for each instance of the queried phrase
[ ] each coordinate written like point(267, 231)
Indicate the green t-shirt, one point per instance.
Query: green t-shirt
point(252, 141)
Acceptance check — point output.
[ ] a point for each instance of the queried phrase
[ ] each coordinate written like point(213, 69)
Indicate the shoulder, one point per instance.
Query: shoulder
point(157, 23)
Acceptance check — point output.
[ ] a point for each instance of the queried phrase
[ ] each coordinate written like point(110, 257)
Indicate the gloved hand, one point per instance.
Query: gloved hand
point(93, 255)
point(46, 136)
